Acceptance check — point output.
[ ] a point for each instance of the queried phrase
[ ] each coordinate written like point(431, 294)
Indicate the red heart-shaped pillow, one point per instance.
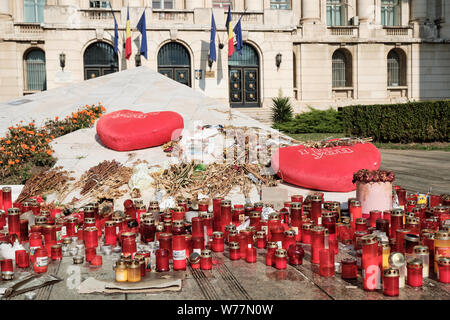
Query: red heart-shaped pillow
point(327, 169)
point(127, 130)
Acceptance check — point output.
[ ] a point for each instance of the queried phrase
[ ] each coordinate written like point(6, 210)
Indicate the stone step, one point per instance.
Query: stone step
point(263, 115)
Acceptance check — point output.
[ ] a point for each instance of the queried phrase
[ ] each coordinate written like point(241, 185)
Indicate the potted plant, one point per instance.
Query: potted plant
point(374, 189)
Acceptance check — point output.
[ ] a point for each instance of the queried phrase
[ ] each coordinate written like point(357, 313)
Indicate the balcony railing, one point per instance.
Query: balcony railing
point(99, 14)
point(249, 17)
point(33, 28)
point(184, 16)
point(344, 31)
point(398, 31)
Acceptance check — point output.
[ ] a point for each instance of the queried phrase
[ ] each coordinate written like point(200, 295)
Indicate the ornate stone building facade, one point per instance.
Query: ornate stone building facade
point(320, 53)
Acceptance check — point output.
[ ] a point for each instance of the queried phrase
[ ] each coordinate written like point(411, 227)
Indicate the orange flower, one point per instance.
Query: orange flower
point(52, 137)
point(10, 162)
point(2, 148)
point(48, 140)
point(31, 124)
point(17, 161)
point(24, 146)
point(102, 108)
point(40, 134)
point(8, 142)
point(23, 129)
point(74, 121)
point(31, 132)
point(56, 118)
point(49, 152)
point(62, 128)
point(75, 115)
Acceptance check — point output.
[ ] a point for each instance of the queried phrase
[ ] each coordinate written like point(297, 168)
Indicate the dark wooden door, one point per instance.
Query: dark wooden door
point(244, 87)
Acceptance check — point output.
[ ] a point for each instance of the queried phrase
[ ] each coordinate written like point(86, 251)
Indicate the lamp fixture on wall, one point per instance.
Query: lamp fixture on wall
point(278, 60)
point(62, 60)
point(210, 62)
point(137, 59)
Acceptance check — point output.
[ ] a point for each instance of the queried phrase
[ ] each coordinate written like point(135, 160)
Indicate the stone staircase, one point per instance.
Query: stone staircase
point(263, 115)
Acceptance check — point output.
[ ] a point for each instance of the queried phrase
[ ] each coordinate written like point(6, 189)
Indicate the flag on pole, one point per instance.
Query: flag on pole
point(116, 31)
point(212, 43)
point(238, 31)
point(128, 37)
point(143, 30)
point(230, 34)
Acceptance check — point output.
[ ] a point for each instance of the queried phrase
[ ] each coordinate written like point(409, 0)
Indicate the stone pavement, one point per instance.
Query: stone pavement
point(418, 170)
point(237, 280)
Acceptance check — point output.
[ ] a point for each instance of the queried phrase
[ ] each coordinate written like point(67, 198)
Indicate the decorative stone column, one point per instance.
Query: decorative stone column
point(418, 16)
point(366, 17)
point(310, 11)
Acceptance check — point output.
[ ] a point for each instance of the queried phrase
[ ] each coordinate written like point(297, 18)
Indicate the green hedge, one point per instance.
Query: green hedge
point(314, 121)
point(408, 122)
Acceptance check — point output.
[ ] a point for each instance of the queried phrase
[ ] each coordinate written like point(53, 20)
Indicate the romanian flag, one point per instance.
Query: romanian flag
point(230, 34)
point(128, 37)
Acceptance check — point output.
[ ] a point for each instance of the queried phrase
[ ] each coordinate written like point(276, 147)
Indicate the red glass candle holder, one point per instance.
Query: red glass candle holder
point(216, 211)
point(188, 243)
point(23, 230)
point(90, 253)
point(383, 226)
point(203, 205)
point(374, 215)
point(349, 269)
point(56, 252)
point(306, 233)
point(14, 221)
point(7, 202)
point(316, 209)
point(400, 247)
point(22, 259)
point(251, 255)
point(413, 224)
point(255, 219)
point(129, 208)
point(206, 260)
point(243, 243)
point(110, 233)
point(361, 224)
point(397, 217)
point(318, 235)
point(289, 239)
point(434, 200)
point(178, 227)
point(198, 244)
point(178, 213)
point(370, 263)
point(2, 219)
point(165, 242)
point(7, 265)
point(148, 230)
point(415, 273)
point(401, 194)
point(258, 206)
point(410, 241)
point(179, 252)
point(234, 249)
point(296, 212)
point(162, 260)
point(40, 264)
point(444, 269)
point(355, 211)
point(90, 236)
point(326, 262)
point(296, 254)
point(391, 282)
point(197, 227)
point(238, 216)
point(208, 222)
point(261, 239)
point(218, 242)
point(277, 235)
point(280, 259)
point(225, 214)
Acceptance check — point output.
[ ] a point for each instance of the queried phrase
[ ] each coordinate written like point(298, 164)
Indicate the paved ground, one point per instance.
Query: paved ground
point(418, 170)
point(229, 280)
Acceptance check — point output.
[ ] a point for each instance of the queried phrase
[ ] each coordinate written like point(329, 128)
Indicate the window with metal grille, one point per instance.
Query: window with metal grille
point(33, 10)
point(394, 69)
point(280, 4)
point(162, 4)
point(222, 4)
point(390, 12)
point(340, 70)
point(35, 76)
point(336, 13)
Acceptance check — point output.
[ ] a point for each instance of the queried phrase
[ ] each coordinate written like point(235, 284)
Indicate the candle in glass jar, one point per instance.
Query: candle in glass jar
point(225, 214)
point(319, 237)
point(443, 273)
point(296, 254)
point(401, 239)
point(162, 260)
point(386, 251)
point(422, 253)
point(217, 211)
point(250, 257)
point(349, 269)
point(207, 222)
point(134, 271)
point(361, 224)
point(391, 282)
point(410, 241)
point(197, 227)
point(14, 221)
point(261, 240)
point(280, 259)
point(7, 201)
point(179, 252)
point(306, 233)
point(218, 242)
point(397, 260)
point(397, 217)
point(234, 249)
point(370, 265)
point(383, 226)
point(289, 239)
point(374, 215)
point(90, 236)
point(206, 260)
point(121, 271)
point(316, 209)
point(441, 247)
point(40, 264)
point(326, 262)
point(22, 259)
point(165, 242)
point(270, 255)
point(415, 273)
point(255, 218)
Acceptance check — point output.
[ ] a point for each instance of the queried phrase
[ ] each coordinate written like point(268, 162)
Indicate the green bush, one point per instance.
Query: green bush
point(281, 110)
point(314, 121)
point(408, 122)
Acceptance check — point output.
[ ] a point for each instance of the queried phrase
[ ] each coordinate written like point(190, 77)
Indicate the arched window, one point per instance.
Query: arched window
point(35, 75)
point(342, 69)
point(396, 68)
point(99, 60)
point(174, 62)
